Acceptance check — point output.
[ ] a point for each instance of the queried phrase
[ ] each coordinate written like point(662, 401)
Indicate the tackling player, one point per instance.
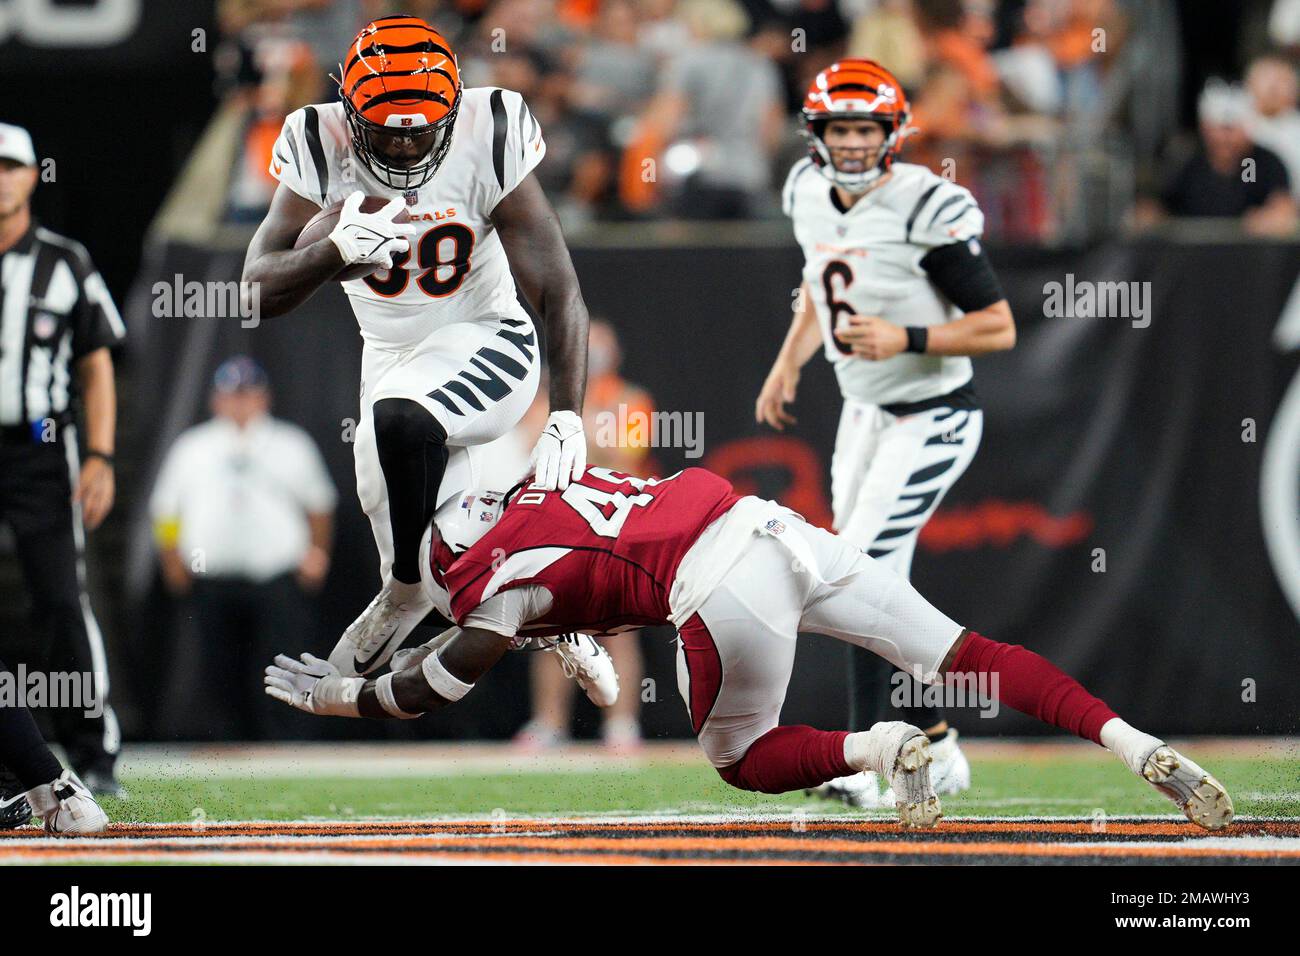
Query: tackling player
point(898, 295)
point(740, 578)
point(450, 358)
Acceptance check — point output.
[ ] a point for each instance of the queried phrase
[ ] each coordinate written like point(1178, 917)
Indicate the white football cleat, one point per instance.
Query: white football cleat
point(67, 808)
point(376, 635)
point(860, 790)
point(909, 778)
point(1202, 799)
point(590, 665)
point(950, 770)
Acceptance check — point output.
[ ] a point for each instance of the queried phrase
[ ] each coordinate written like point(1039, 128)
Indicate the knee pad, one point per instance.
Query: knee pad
point(405, 424)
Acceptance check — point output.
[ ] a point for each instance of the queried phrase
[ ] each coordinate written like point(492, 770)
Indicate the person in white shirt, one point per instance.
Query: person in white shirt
point(243, 512)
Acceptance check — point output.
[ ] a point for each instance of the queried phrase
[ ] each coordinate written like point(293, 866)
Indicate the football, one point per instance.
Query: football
point(322, 224)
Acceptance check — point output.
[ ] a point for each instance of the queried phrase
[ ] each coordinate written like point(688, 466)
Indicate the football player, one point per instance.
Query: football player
point(898, 295)
point(740, 578)
point(33, 781)
point(450, 358)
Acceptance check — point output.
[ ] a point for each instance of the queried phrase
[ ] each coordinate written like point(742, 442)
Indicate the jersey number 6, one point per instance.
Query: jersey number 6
point(442, 252)
point(842, 270)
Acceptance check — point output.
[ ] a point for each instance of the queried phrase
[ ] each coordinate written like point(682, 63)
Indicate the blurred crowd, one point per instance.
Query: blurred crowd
point(688, 108)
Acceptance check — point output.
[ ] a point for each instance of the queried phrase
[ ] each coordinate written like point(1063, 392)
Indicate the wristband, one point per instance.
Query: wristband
point(442, 681)
point(918, 337)
point(384, 691)
point(103, 456)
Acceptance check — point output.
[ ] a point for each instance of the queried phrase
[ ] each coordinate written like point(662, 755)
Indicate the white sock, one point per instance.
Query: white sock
point(1128, 743)
point(404, 593)
point(875, 749)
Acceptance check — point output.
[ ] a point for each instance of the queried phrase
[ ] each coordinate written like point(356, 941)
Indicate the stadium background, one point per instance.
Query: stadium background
point(1099, 434)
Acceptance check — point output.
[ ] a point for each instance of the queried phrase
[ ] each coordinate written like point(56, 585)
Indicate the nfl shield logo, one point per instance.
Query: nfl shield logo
point(774, 526)
point(412, 196)
point(44, 325)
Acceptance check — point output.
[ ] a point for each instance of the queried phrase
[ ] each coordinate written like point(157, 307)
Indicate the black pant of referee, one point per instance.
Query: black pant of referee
point(36, 503)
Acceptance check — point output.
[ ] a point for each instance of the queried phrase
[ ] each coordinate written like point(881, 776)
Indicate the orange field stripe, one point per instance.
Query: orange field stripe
point(726, 846)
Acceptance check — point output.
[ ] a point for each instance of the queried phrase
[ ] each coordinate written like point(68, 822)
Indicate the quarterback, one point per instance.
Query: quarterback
point(450, 358)
point(740, 578)
point(898, 295)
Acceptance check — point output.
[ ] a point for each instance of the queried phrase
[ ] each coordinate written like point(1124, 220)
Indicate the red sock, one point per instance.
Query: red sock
point(1034, 686)
point(789, 758)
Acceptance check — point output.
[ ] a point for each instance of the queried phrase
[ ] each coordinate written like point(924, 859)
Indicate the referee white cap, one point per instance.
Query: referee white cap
point(16, 144)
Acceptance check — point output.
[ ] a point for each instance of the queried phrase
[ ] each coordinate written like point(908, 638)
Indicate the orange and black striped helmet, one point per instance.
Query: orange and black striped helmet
point(855, 89)
point(400, 87)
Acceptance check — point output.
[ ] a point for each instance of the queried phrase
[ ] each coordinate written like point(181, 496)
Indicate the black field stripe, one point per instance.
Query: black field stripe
point(504, 362)
point(944, 205)
point(438, 396)
point(920, 204)
point(880, 552)
point(513, 323)
point(464, 391)
point(311, 126)
point(933, 471)
point(499, 128)
point(890, 533)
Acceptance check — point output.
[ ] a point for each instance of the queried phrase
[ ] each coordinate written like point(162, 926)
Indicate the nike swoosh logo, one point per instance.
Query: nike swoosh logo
point(277, 167)
point(555, 429)
point(6, 804)
point(362, 666)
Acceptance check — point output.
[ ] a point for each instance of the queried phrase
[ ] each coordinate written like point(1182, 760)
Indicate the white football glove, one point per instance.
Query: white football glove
point(561, 452)
point(370, 236)
point(313, 685)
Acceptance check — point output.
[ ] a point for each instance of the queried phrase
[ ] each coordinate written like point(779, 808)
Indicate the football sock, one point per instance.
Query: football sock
point(789, 758)
point(1128, 743)
point(1032, 685)
point(22, 749)
point(413, 456)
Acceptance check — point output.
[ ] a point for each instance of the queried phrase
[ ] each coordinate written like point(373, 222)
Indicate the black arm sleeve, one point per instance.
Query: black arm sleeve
point(962, 272)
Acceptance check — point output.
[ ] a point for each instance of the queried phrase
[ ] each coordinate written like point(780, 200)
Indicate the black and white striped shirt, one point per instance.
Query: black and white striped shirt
point(54, 310)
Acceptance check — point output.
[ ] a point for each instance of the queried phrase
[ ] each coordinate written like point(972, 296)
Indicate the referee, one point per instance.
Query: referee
point(57, 323)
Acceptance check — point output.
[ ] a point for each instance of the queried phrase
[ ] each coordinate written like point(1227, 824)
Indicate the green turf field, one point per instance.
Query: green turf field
point(1051, 784)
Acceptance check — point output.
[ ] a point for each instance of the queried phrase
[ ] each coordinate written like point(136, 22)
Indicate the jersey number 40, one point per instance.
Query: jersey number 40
point(605, 511)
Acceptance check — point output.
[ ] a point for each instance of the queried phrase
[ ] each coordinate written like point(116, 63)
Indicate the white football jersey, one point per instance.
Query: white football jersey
point(456, 270)
point(867, 261)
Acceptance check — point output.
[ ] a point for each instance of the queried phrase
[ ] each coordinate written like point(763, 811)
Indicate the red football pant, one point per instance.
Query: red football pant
point(1034, 686)
point(789, 758)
